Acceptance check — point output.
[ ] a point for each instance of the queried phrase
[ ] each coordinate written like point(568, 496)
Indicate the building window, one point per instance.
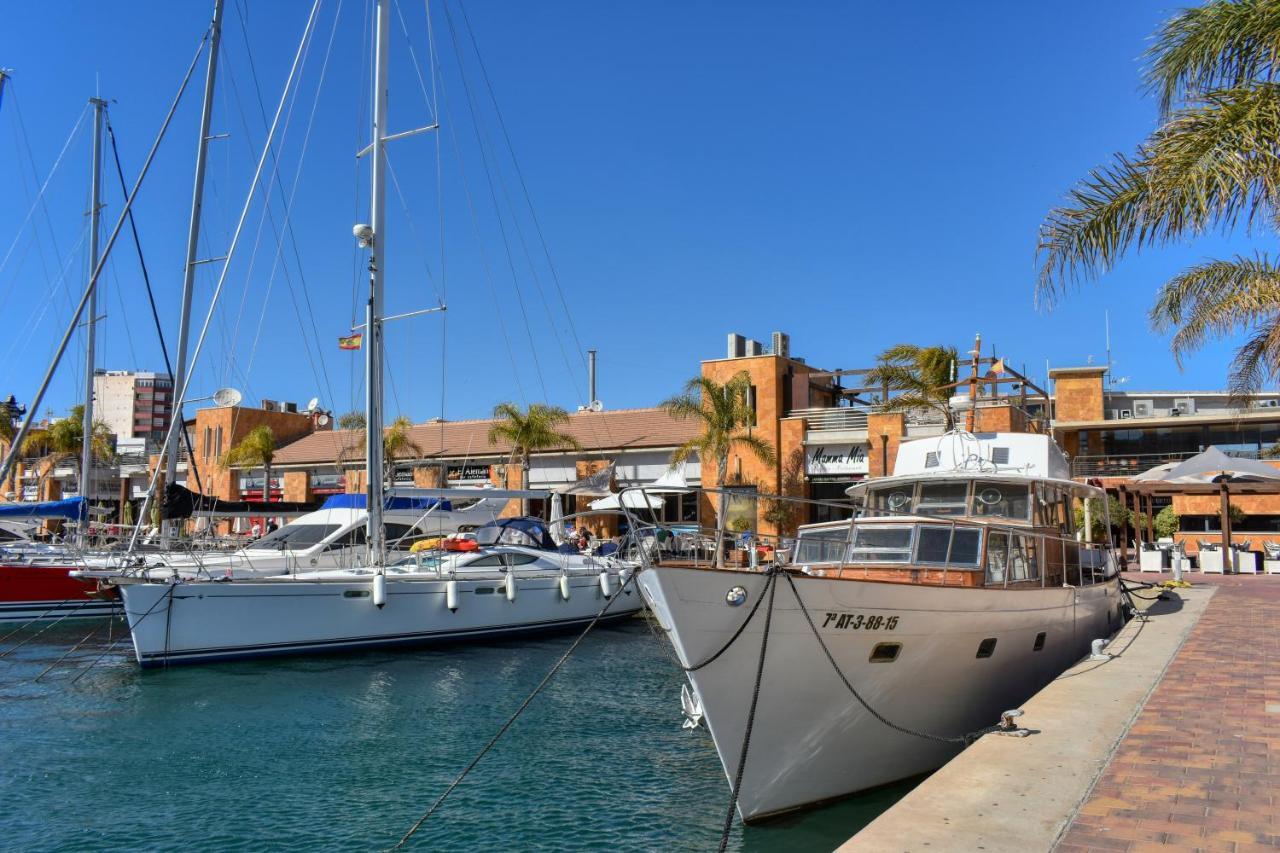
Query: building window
point(208, 441)
point(217, 443)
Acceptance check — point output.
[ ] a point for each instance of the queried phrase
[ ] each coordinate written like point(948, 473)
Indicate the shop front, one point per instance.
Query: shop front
point(830, 470)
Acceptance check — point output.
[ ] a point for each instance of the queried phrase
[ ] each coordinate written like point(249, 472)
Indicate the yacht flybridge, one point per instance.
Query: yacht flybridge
point(960, 590)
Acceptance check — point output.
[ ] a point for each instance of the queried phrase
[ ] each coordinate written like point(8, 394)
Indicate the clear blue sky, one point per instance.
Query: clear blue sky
point(855, 174)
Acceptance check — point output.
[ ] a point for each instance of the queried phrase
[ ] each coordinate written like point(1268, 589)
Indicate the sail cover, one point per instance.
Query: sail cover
point(181, 502)
point(72, 508)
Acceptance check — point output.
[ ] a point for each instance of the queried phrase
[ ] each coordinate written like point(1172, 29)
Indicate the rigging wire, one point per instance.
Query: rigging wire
point(21, 130)
point(306, 141)
point(488, 172)
point(484, 258)
point(235, 239)
point(34, 406)
point(151, 300)
point(288, 222)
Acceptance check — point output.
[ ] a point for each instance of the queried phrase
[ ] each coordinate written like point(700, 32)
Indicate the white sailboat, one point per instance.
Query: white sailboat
point(516, 582)
point(960, 592)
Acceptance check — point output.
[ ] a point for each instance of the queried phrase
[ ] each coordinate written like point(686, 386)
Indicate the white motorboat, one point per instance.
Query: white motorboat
point(960, 591)
point(515, 582)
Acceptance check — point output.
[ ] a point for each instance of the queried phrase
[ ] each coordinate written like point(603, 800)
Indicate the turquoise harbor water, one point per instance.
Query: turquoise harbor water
point(346, 752)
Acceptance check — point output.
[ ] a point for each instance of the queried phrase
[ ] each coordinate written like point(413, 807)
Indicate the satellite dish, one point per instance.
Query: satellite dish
point(597, 406)
point(322, 419)
point(312, 404)
point(227, 397)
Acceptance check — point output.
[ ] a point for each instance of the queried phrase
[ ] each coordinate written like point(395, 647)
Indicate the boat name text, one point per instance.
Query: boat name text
point(859, 621)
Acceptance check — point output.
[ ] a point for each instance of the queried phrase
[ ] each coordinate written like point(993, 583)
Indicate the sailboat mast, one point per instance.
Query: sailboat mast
point(373, 309)
point(91, 323)
point(177, 420)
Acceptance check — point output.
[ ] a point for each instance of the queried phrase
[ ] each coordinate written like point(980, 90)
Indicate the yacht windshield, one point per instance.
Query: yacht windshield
point(821, 546)
point(1003, 500)
point(981, 498)
point(296, 536)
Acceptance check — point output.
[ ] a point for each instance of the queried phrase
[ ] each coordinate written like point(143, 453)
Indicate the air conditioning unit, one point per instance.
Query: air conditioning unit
point(1184, 405)
point(1268, 404)
point(1125, 414)
point(270, 406)
point(1144, 408)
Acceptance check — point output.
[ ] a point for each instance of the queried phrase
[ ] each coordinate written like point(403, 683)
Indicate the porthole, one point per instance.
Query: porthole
point(355, 593)
point(987, 647)
point(885, 652)
point(1040, 638)
point(485, 590)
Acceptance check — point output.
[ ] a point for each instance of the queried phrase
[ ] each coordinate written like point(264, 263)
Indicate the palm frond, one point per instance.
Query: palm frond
point(1222, 44)
point(1256, 362)
point(1216, 298)
point(759, 448)
point(1211, 164)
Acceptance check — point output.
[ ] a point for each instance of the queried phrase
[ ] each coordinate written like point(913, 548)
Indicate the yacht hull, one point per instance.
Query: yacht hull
point(811, 740)
point(37, 592)
point(175, 623)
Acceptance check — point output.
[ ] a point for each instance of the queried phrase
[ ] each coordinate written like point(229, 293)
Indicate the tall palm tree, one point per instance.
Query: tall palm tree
point(63, 441)
point(527, 431)
point(726, 416)
point(921, 378)
point(397, 442)
point(1214, 162)
point(255, 450)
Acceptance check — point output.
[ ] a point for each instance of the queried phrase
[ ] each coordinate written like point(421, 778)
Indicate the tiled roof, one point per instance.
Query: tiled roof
point(609, 430)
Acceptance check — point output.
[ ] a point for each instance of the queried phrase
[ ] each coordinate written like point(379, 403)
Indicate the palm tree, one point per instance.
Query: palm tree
point(725, 412)
point(1214, 162)
point(921, 376)
point(396, 443)
point(536, 428)
point(352, 420)
point(255, 450)
point(63, 441)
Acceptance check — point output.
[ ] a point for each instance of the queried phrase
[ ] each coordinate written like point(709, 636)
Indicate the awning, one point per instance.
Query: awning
point(672, 481)
point(632, 499)
point(184, 503)
point(72, 508)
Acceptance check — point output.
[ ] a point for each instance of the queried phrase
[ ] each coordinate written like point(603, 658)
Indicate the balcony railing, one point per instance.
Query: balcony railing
point(1132, 464)
point(832, 418)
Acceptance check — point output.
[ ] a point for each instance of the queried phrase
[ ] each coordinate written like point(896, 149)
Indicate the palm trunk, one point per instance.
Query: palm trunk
point(524, 483)
point(722, 472)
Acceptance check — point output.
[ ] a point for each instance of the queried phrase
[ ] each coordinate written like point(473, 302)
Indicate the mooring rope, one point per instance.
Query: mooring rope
point(57, 621)
point(751, 711)
point(546, 679)
point(772, 574)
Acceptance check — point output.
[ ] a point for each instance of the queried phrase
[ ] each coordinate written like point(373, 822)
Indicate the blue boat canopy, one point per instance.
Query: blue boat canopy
point(75, 509)
point(402, 502)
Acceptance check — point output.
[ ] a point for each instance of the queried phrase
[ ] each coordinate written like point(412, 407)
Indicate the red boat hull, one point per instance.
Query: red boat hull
point(33, 592)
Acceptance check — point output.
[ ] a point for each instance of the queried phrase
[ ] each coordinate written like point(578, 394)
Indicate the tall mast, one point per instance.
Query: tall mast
point(177, 420)
point(91, 323)
point(4, 75)
point(373, 310)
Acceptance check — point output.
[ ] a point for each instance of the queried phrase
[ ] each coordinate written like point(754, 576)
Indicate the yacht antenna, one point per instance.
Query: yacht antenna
point(373, 309)
point(177, 420)
point(91, 322)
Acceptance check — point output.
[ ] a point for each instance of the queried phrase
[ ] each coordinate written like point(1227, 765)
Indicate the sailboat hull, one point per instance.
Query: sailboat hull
point(811, 740)
point(175, 623)
point(44, 592)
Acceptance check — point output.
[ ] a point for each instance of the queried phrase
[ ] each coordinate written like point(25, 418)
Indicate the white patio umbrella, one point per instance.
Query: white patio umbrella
point(557, 518)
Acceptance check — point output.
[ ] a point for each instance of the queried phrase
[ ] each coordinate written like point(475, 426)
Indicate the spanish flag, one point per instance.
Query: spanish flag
point(352, 342)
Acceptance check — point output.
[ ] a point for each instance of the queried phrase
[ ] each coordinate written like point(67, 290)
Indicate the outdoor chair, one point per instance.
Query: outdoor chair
point(1211, 558)
point(1271, 558)
point(1150, 558)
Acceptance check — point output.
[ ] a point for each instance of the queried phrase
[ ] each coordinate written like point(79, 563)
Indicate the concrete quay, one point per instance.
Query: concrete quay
point(1173, 744)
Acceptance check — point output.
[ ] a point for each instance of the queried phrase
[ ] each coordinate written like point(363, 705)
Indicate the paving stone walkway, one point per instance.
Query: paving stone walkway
point(1200, 769)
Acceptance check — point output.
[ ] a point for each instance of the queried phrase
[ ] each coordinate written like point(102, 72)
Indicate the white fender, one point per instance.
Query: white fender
point(606, 583)
point(511, 586)
point(379, 590)
point(564, 586)
point(451, 595)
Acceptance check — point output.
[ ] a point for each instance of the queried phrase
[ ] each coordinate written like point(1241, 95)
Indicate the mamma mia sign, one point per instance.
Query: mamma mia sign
point(830, 459)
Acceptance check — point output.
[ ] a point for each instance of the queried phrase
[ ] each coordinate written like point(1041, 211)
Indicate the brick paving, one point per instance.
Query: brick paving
point(1200, 769)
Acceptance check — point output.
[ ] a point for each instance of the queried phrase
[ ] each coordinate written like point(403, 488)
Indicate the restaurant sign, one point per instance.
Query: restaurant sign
point(470, 472)
point(835, 459)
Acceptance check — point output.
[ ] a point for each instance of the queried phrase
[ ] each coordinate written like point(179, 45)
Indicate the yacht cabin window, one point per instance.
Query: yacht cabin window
point(982, 498)
point(821, 546)
point(994, 498)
